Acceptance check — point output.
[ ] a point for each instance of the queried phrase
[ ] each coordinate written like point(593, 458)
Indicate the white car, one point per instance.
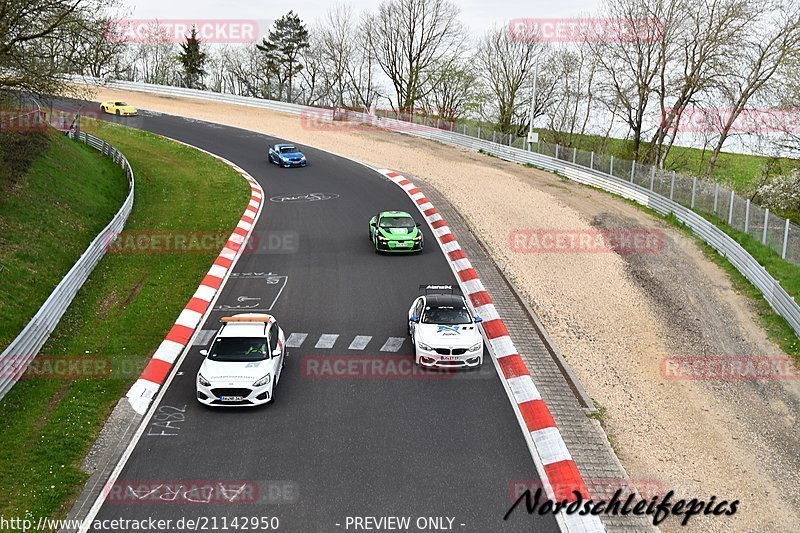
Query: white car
point(443, 330)
point(244, 362)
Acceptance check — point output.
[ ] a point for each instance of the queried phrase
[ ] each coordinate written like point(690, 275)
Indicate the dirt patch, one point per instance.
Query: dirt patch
point(614, 316)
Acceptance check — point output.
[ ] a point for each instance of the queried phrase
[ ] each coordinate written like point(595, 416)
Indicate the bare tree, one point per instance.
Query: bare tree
point(409, 38)
point(772, 41)
point(507, 62)
point(698, 47)
point(572, 104)
point(41, 40)
point(454, 90)
point(362, 69)
point(631, 66)
point(155, 56)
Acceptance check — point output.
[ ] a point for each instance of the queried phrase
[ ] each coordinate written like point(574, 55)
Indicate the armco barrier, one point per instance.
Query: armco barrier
point(17, 356)
point(774, 294)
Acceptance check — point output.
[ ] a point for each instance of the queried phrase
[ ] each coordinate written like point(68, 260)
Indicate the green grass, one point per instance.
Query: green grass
point(48, 216)
point(120, 315)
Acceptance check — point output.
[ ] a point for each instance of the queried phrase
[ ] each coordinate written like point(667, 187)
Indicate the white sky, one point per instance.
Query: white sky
point(479, 15)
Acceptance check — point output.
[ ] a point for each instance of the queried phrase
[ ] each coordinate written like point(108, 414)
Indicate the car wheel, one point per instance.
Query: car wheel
point(118, 112)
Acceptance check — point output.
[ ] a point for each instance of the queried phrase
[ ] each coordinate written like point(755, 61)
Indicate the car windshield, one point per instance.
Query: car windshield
point(120, 103)
point(397, 222)
point(288, 150)
point(446, 315)
point(238, 349)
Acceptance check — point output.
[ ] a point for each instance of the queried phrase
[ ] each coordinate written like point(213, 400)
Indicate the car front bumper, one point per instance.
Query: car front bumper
point(288, 164)
point(432, 359)
point(399, 246)
point(237, 395)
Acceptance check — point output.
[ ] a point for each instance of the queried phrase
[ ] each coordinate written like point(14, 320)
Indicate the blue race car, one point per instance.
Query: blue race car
point(286, 155)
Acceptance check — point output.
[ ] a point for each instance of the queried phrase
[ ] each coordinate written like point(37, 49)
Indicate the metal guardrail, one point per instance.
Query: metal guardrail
point(16, 358)
point(774, 294)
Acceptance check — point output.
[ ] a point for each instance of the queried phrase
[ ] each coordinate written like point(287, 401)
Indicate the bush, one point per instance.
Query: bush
point(781, 193)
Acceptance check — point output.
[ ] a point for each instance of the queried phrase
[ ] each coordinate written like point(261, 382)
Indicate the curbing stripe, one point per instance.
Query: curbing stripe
point(146, 387)
point(559, 468)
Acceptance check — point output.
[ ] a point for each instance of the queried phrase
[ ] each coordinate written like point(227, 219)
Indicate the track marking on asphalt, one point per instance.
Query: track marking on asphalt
point(360, 342)
point(327, 340)
point(392, 344)
point(296, 340)
point(204, 336)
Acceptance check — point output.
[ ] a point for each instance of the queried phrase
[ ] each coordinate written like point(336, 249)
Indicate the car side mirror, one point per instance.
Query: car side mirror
point(415, 318)
point(204, 353)
point(478, 320)
point(276, 352)
point(419, 225)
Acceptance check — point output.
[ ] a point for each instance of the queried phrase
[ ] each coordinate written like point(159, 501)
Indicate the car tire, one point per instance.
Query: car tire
point(118, 113)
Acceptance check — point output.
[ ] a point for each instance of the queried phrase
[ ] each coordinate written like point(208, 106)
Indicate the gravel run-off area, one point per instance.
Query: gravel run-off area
point(614, 316)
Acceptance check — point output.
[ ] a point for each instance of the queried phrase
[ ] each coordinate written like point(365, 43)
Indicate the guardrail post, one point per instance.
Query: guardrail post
point(766, 222)
point(633, 170)
point(611, 166)
point(694, 190)
point(672, 186)
point(591, 161)
point(746, 215)
point(574, 153)
point(716, 197)
point(785, 239)
point(730, 209)
point(652, 177)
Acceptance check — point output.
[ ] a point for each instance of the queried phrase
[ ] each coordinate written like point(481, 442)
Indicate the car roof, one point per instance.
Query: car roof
point(243, 329)
point(444, 300)
point(285, 145)
point(399, 214)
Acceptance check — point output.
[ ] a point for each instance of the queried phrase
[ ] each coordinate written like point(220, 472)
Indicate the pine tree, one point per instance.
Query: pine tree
point(193, 59)
point(287, 38)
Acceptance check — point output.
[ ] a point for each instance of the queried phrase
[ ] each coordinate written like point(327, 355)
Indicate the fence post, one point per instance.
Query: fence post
point(716, 197)
point(633, 169)
point(694, 189)
point(672, 186)
point(493, 136)
point(730, 209)
point(746, 215)
point(591, 160)
point(574, 153)
point(611, 166)
point(479, 132)
point(557, 151)
point(785, 239)
point(766, 222)
point(538, 146)
point(652, 177)
point(465, 129)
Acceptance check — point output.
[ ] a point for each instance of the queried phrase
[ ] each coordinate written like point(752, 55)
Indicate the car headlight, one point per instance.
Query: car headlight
point(382, 238)
point(418, 237)
point(476, 347)
point(423, 346)
point(261, 382)
point(203, 381)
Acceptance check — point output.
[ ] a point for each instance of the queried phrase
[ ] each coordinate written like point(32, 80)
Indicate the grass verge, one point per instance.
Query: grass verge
point(48, 216)
point(119, 317)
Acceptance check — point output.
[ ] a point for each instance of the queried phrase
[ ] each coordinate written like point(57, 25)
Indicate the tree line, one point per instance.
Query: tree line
point(416, 56)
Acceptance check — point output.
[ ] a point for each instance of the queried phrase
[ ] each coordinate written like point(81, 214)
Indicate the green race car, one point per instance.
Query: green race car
point(395, 231)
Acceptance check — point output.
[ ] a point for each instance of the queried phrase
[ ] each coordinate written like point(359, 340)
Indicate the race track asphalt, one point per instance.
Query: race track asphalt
point(328, 448)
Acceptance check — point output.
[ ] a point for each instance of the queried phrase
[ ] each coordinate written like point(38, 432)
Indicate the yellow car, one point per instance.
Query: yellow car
point(118, 108)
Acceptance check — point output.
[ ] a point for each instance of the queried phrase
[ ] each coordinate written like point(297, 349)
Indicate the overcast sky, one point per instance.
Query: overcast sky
point(477, 14)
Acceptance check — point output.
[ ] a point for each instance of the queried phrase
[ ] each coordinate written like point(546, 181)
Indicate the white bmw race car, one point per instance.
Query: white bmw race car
point(244, 362)
point(443, 330)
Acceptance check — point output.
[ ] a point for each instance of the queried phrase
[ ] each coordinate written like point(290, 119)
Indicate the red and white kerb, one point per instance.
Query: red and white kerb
point(144, 390)
point(560, 469)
